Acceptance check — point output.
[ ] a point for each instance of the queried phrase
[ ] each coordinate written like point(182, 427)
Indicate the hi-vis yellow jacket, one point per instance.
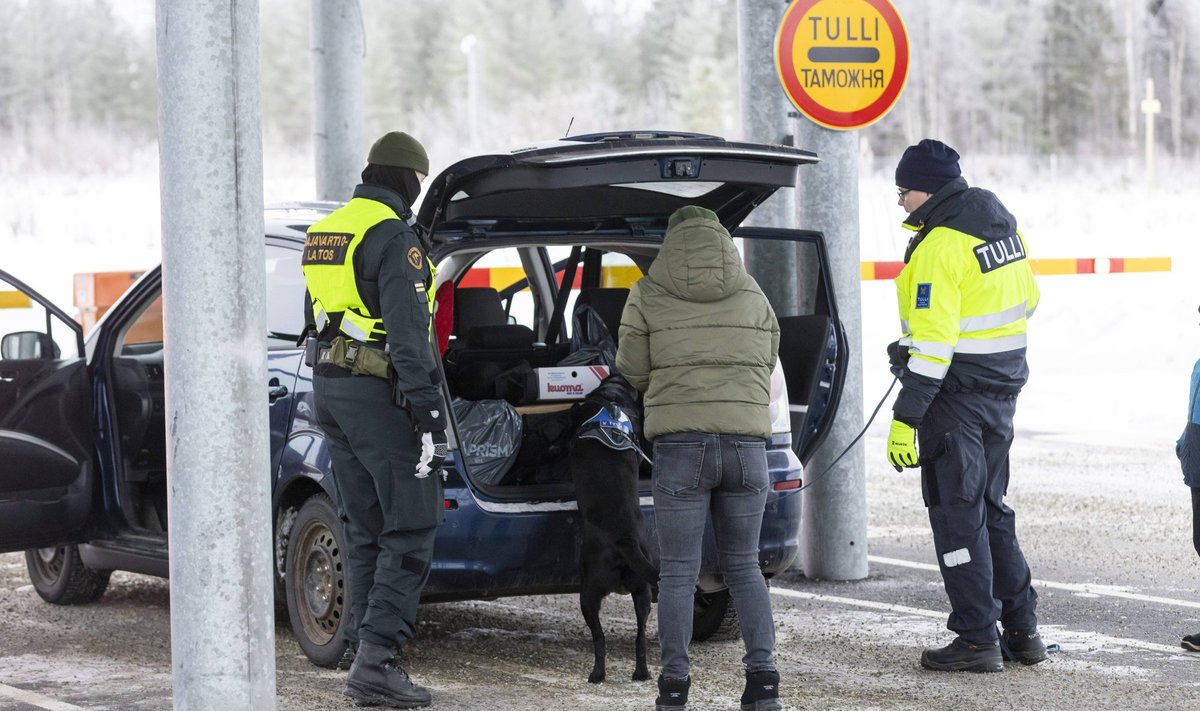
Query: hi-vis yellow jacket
point(964, 295)
point(369, 279)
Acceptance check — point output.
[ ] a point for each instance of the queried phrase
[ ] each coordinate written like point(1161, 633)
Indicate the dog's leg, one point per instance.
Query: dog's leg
point(589, 604)
point(641, 607)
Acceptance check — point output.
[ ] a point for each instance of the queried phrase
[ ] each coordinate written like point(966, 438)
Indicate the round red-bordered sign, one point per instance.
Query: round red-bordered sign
point(843, 63)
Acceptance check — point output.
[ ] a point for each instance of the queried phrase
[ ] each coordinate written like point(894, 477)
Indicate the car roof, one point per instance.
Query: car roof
point(291, 220)
point(605, 184)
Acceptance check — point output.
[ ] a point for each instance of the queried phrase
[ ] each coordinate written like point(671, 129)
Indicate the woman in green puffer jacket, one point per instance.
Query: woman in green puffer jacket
point(699, 338)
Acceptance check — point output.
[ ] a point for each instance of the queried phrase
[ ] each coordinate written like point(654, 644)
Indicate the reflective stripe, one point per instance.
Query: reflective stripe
point(352, 329)
point(321, 318)
point(904, 326)
point(934, 349)
point(929, 369)
point(1030, 311)
point(1000, 318)
point(990, 345)
point(905, 341)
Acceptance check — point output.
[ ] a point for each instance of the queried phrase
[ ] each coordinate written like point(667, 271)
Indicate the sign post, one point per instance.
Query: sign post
point(843, 63)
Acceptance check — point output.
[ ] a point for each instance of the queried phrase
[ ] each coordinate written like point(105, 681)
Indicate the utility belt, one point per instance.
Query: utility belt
point(352, 356)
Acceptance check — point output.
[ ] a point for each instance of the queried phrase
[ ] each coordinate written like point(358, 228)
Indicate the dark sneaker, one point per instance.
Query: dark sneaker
point(762, 691)
point(377, 679)
point(1024, 646)
point(347, 658)
point(672, 693)
point(1191, 642)
point(961, 655)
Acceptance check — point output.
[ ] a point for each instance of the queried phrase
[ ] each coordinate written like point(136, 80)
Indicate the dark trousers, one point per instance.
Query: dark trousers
point(390, 515)
point(1196, 519)
point(964, 443)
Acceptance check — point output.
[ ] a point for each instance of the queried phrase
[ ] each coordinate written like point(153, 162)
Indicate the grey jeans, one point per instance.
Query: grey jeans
point(696, 473)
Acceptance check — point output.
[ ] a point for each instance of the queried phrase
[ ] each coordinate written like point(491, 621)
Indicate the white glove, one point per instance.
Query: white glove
point(433, 453)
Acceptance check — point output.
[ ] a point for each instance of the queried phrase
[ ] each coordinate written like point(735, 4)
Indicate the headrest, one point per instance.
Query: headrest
point(502, 336)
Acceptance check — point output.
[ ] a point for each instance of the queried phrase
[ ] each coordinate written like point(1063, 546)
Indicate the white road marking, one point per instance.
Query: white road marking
point(1083, 589)
point(42, 702)
point(1080, 639)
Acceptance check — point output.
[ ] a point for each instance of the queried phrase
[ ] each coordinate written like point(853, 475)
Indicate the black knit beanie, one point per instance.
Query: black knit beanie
point(927, 166)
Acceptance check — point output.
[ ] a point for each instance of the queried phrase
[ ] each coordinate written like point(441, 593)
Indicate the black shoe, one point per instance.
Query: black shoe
point(762, 691)
point(1191, 642)
point(672, 693)
point(1024, 646)
point(347, 658)
point(961, 655)
point(376, 679)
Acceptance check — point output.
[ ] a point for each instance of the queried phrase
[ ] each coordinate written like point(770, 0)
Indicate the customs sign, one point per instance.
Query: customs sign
point(843, 63)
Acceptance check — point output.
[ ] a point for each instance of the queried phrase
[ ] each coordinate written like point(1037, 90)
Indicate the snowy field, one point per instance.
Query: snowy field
point(1110, 354)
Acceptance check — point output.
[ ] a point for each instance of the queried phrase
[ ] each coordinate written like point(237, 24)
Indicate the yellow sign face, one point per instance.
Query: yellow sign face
point(843, 63)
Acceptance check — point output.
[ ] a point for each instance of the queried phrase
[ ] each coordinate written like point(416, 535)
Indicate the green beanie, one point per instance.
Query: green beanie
point(691, 212)
point(400, 150)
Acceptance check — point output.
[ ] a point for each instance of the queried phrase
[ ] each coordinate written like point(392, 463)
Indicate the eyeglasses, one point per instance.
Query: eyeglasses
point(901, 192)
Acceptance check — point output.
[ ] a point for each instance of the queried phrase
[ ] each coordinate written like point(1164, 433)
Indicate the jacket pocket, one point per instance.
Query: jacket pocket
point(677, 466)
point(753, 456)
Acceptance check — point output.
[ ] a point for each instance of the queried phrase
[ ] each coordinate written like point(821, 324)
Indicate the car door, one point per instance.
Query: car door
point(46, 435)
point(812, 341)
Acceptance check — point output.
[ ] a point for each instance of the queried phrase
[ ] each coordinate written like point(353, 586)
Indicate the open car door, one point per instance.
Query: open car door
point(46, 442)
point(812, 341)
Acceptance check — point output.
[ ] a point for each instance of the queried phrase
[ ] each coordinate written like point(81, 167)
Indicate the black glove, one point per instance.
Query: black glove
point(898, 357)
point(433, 453)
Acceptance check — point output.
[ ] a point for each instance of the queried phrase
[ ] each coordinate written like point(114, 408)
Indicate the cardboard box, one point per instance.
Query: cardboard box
point(572, 382)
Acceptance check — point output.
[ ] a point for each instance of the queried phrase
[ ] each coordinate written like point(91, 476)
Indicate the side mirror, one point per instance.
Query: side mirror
point(27, 345)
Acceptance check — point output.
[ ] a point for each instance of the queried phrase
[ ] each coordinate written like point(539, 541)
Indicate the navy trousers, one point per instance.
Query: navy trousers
point(964, 442)
point(391, 516)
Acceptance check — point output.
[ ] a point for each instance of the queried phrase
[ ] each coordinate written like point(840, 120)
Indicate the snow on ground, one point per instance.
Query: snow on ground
point(1110, 354)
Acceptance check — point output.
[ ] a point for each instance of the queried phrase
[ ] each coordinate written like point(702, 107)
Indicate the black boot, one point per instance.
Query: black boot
point(1024, 646)
point(762, 691)
point(672, 694)
point(347, 657)
point(376, 679)
point(961, 655)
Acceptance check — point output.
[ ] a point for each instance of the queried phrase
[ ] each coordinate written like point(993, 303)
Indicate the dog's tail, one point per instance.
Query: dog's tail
point(636, 557)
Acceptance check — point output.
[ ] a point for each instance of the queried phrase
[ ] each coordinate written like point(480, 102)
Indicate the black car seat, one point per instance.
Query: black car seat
point(608, 303)
point(489, 358)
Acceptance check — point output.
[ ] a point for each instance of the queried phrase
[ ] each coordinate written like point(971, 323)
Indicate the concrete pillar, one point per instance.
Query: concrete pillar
point(765, 109)
point(218, 463)
point(834, 511)
point(338, 47)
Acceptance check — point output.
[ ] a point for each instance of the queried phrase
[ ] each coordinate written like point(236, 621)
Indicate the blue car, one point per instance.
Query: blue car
point(535, 250)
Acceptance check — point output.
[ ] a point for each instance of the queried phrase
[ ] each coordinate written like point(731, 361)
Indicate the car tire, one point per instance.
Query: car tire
point(60, 577)
point(315, 581)
point(714, 617)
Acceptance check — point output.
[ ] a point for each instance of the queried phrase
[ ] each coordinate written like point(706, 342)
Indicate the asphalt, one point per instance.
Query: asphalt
point(1107, 532)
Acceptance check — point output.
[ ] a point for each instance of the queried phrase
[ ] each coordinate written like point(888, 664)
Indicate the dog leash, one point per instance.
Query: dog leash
point(827, 469)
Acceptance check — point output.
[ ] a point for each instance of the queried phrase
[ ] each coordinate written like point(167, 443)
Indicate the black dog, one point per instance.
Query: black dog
point(605, 458)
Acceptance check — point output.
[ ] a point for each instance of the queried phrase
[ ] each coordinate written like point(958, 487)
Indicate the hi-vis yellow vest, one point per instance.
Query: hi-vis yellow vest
point(328, 264)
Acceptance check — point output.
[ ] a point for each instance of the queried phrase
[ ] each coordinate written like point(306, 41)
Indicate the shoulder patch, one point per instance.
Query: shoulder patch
point(923, 294)
point(325, 248)
point(993, 255)
point(414, 258)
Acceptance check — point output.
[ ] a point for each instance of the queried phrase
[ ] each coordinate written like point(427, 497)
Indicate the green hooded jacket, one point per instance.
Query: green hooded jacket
point(698, 336)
